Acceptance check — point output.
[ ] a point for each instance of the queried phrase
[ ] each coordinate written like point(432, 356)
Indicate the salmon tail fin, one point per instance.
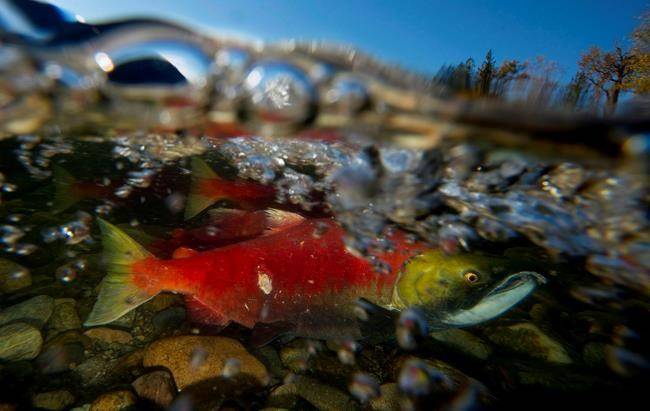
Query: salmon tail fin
point(118, 293)
point(63, 195)
point(197, 201)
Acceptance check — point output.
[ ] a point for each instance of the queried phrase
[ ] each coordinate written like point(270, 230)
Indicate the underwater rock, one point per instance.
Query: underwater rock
point(13, 276)
point(157, 387)
point(464, 342)
point(194, 358)
point(36, 311)
point(169, 318)
point(53, 400)
point(64, 317)
point(114, 401)
point(109, 335)
point(271, 360)
point(389, 399)
point(320, 395)
point(19, 341)
point(63, 352)
point(528, 339)
point(95, 371)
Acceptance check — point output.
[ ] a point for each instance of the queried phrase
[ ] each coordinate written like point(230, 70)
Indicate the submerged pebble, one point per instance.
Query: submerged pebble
point(319, 395)
point(114, 401)
point(157, 387)
point(13, 276)
point(19, 341)
point(64, 316)
point(53, 400)
point(109, 335)
point(175, 354)
point(464, 342)
point(36, 311)
point(528, 339)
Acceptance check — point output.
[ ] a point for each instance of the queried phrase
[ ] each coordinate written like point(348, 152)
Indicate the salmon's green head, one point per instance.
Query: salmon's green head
point(463, 289)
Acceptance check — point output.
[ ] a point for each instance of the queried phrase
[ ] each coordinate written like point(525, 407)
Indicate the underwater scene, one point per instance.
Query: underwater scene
point(197, 221)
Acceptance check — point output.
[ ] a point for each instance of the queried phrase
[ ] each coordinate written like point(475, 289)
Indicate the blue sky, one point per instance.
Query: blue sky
point(418, 34)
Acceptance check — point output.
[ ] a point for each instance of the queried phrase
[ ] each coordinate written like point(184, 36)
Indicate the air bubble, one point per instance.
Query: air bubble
point(278, 93)
point(231, 367)
point(411, 326)
point(364, 387)
point(66, 274)
point(198, 357)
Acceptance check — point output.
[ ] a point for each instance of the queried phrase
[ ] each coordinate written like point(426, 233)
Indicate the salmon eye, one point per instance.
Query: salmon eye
point(471, 277)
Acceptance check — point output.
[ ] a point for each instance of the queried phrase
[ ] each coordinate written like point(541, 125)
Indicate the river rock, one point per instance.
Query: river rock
point(19, 341)
point(114, 401)
point(157, 387)
point(13, 276)
point(36, 311)
point(528, 339)
point(53, 400)
point(62, 353)
point(389, 400)
point(109, 335)
point(64, 316)
point(95, 371)
point(320, 395)
point(194, 358)
point(464, 342)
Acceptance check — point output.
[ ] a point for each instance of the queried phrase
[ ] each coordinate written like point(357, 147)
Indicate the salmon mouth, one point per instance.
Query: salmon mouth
point(501, 298)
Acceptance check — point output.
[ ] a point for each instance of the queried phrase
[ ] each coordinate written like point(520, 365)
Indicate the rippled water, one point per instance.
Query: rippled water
point(114, 121)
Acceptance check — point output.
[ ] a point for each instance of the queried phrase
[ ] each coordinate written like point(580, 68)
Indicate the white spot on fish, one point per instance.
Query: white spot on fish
point(264, 282)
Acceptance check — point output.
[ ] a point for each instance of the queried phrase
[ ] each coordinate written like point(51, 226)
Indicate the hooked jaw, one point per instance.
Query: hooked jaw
point(500, 299)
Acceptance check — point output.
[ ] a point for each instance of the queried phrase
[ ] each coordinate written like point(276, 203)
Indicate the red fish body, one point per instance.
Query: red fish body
point(225, 227)
point(301, 275)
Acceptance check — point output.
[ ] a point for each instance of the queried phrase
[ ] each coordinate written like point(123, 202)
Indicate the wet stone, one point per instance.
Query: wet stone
point(109, 335)
point(388, 400)
point(157, 387)
point(463, 342)
point(62, 353)
point(194, 358)
point(36, 311)
point(53, 400)
point(64, 317)
point(114, 401)
point(528, 339)
point(13, 276)
point(321, 396)
point(271, 360)
point(19, 341)
point(169, 318)
point(95, 371)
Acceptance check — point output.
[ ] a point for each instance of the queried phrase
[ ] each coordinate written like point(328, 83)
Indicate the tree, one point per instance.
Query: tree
point(509, 71)
point(576, 94)
point(485, 75)
point(609, 73)
point(640, 78)
point(459, 78)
